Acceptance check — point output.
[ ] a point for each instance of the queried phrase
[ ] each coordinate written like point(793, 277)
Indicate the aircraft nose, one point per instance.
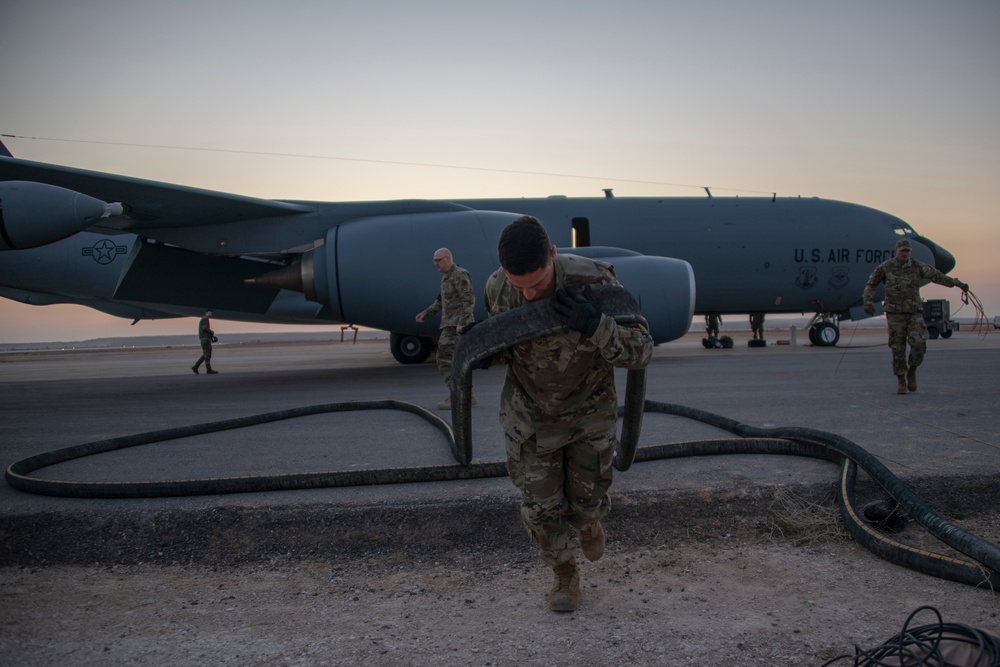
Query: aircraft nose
point(944, 261)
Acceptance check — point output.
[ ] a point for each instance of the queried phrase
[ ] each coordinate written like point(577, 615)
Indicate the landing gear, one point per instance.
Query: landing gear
point(409, 349)
point(824, 333)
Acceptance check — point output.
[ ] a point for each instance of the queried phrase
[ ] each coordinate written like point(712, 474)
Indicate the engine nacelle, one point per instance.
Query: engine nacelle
point(35, 214)
point(379, 271)
point(663, 286)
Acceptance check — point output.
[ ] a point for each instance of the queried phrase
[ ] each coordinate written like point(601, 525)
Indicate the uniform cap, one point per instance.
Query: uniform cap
point(903, 243)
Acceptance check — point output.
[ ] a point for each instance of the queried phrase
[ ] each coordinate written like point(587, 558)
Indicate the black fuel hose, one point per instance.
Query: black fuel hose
point(781, 441)
point(17, 474)
point(784, 441)
point(524, 323)
point(985, 571)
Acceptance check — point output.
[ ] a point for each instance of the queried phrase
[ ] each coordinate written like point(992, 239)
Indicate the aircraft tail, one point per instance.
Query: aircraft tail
point(3, 149)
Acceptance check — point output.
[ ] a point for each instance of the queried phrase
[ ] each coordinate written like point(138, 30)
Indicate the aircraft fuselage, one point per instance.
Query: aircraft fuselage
point(747, 254)
point(148, 249)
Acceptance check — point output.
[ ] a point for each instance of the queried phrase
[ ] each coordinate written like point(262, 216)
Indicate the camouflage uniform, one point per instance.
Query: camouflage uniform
point(757, 325)
point(904, 310)
point(559, 409)
point(712, 325)
point(455, 301)
point(205, 334)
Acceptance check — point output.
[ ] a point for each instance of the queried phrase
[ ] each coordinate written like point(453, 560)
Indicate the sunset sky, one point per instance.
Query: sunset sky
point(892, 104)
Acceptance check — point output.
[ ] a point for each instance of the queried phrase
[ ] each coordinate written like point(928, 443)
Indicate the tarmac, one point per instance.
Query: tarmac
point(943, 441)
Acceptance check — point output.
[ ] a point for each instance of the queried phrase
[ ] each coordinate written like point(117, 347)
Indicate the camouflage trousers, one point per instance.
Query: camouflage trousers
point(446, 351)
point(563, 490)
point(906, 329)
point(206, 352)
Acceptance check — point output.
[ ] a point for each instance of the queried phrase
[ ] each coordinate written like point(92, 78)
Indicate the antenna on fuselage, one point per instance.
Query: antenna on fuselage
point(709, 192)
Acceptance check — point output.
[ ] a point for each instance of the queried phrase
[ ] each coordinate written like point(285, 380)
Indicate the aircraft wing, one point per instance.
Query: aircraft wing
point(150, 203)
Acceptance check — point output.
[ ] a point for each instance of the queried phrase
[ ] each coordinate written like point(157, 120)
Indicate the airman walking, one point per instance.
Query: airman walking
point(904, 310)
point(456, 301)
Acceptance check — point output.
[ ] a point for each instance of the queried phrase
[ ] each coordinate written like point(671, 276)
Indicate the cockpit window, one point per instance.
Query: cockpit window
point(903, 231)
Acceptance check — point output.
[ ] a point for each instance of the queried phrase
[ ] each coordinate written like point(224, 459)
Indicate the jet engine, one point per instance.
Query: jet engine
point(35, 214)
point(663, 286)
point(377, 272)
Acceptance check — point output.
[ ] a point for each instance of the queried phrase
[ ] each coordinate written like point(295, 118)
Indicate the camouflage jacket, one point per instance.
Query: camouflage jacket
point(902, 284)
point(204, 329)
point(563, 385)
point(455, 300)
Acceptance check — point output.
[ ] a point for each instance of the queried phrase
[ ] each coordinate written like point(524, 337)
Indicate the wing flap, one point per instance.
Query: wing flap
point(151, 203)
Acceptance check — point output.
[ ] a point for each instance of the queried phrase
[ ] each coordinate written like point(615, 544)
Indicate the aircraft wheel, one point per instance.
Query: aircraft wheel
point(946, 334)
point(932, 332)
point(827, 334)
point(408, 349)
point(812, 335)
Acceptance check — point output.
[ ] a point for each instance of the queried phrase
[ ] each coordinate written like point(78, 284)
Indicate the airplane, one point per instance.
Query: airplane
point(143, 249)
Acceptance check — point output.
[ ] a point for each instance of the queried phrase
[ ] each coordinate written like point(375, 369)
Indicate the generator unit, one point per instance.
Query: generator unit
point(937, 317)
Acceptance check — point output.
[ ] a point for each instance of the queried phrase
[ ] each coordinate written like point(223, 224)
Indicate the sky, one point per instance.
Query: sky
point(891, 104)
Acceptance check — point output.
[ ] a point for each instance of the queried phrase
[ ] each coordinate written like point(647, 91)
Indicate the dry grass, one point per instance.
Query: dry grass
point(803, 521)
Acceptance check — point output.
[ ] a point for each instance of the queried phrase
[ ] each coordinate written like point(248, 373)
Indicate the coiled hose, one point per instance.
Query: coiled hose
point(982, 570)
point(828, 446)
point(937, 644)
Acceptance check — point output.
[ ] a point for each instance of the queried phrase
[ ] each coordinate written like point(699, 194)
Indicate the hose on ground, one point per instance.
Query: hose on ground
point(937, 644)
point(515, 326)
point(750, 441)
point(18, 473)
point(828, 446)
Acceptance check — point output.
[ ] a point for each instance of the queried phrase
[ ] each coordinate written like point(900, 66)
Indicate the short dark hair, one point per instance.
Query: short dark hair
point(524, 246)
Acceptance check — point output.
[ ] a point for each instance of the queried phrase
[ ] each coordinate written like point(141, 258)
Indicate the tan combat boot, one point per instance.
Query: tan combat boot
point(911, 378)
point(565, 593)
point(900, 384)
point(592, 541)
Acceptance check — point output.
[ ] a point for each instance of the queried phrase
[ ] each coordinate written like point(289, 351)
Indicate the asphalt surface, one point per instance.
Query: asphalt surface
point(943, 441)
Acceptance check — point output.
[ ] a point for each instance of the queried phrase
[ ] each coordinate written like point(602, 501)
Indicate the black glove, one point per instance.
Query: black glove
point(870, 309)
point(964, 286)
point(466, 328)
point(576, 310)
point(214, 339)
